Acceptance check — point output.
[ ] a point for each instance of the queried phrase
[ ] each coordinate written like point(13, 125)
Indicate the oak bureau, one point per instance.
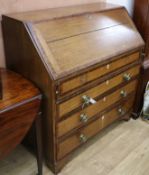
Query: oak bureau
point(86, 60)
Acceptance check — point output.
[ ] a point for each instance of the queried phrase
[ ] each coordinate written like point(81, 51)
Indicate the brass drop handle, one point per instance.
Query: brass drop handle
point(127, 77)
point(123, 93)
point(83, 118)
point(83, 138)
point(87, 100)
point(121, 111)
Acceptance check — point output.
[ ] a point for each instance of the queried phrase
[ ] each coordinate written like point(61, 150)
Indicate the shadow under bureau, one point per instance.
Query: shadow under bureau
point(86, 60)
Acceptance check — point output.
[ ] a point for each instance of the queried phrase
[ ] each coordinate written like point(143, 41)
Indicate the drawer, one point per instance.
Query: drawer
point(84, 134)
point(76, 119)
point(96, 73)
point(76, 101)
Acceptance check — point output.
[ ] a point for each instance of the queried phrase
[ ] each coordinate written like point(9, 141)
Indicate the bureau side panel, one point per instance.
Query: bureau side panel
point(22, 57)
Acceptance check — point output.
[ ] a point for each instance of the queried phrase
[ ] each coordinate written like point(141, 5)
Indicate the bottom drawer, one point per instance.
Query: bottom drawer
point(93, 128)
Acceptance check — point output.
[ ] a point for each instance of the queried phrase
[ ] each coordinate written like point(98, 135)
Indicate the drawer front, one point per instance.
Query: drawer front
point(108, 100)
point(84, 134)
point(75, 102)
point(98, 72)
point(89, 112)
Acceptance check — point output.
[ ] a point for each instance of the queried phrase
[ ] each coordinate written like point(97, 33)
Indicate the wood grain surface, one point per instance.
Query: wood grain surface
point(101, 42)
point(97, 73)
point(18, 109)
point(90, 48)
point(107, 100)
point(108, 153)
point(78, 25)
point(76, 101)
point(16, 90)
point(93, 128)
point(72, 122)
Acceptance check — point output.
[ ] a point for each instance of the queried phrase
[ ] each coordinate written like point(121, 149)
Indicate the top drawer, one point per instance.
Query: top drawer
point(96, 73)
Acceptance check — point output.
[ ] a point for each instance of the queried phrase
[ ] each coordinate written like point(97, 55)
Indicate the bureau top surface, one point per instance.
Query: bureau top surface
point(16, 90)
point(74, 38)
